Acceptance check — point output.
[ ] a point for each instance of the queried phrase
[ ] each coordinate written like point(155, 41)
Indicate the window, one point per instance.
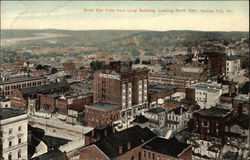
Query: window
point(19, 153)
point(10, 131)
point(10, 156)
point(19, 128)
point(10, 143)
point(19, 140)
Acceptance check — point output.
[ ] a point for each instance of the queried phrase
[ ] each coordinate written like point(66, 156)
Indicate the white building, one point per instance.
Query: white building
point(14, 134)
point(156, 116)
point(178, 118)
point(4, 103)
point(208, 94)
point(232, 66)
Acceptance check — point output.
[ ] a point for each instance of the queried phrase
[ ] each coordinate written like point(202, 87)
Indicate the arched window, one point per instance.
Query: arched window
point(19, 153)
point(10, 156)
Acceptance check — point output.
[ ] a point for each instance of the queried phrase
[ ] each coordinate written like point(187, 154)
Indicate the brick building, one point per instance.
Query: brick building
point(213, 61)
point(211, 122)
point(101, 114)
point(127, 88)
point(73, 102)
point(98, 133)
point(69, 66)
point(136, 143)
point(160, 92)
point(208, 135)
point(179, 81)
point(21, 97)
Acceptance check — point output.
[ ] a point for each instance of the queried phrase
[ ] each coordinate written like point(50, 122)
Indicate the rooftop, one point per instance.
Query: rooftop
point(207, 87)
point(242, 97)
point(241, 120)
point(19, 79)
point(6, 113)
point(171, 147)
point(156, 110)
point(140, 119)
point(178, 110)
point(160, 88)
point(231, 58)
point(104, 106)
point(135, 135)
point(44, 88)
point(2, 99)
point(82, 85)
point(214, 112)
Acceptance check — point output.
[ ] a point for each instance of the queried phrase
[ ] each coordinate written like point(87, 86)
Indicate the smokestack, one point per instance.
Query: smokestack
point(120, 150)
point(129, 145)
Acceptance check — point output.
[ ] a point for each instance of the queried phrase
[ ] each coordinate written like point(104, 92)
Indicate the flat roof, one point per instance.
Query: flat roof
point(156, 110)
point(82, 85)
point(6, 113)
point(206, 87)
point(19, 79)
point(103, 106)
point(160, 88)
point(214, 112)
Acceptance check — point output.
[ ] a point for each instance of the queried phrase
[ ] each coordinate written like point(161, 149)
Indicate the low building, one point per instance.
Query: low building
point(101, 114)
point(4, 102)
point(126, 144)
point(160, 148)
point(82, 88)
point(8, 84)
point(136, 143)
point(156, 117)
point(237, 131)
point(208, 135)
point(98, 133)
point(180, 81)
point(208, 94)
point(157, 94)
point(178, 118)
point(14, 137)
point(21, 98)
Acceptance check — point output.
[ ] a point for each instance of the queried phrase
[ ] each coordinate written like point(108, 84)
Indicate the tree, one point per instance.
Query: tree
point(53, 70)
point(137, 61)
point(39, 67)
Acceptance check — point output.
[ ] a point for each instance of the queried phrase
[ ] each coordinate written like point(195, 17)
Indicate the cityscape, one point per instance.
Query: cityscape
point(124, 94)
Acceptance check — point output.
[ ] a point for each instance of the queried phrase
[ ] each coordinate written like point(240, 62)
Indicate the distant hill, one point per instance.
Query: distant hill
point(113, 41)
point(62, 37)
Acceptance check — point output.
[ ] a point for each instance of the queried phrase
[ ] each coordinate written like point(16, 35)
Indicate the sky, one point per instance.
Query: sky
point(83, 15)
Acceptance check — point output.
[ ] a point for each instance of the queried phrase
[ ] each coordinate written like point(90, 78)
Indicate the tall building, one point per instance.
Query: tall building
point(127, 88)
point(14, 134)
point(214, 62)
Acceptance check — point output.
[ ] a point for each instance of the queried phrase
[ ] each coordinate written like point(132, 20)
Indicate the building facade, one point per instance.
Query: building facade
point(127, 89)
point(7, 85)
point(14, 138)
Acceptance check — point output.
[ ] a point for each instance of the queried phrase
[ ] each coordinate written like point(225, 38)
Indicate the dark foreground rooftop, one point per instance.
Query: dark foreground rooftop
point(135, 135)
point(171, 147)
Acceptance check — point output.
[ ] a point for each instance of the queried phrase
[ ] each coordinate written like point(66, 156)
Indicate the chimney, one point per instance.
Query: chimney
point(129, 145)
point(120, 150)
point(92, 133)
point(105, 132)
point(98, 137)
